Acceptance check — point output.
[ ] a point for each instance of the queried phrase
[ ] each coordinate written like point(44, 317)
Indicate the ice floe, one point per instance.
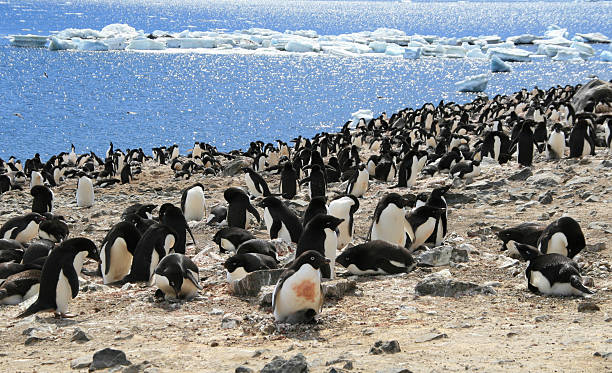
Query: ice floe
point(499, 66)
point(475, 83)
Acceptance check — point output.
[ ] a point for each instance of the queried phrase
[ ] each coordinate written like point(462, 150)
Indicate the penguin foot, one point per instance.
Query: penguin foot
point(59, 315)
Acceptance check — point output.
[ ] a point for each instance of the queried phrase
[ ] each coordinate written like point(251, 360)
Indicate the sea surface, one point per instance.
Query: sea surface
point(49, 100)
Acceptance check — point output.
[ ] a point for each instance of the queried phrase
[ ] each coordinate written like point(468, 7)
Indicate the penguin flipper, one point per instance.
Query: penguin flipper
point(192, 277)
point(34, 308)
point(275, 228)
point(388, 267)
point(576, 283)
point(254, 212)
point(72, 277)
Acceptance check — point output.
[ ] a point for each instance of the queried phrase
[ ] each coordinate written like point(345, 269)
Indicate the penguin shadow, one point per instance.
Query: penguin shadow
point(302, 331)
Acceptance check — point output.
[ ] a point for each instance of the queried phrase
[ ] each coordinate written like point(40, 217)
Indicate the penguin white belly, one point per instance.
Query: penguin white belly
point(389, 226)
point(164, 285)
point(557, 244)
point(85, 193)
point(153, 265)
point(331, 244)
point(227, 245)
point(356, 271)
point(251, 185)
point(120, 261)
point(194, 205)
point(169, 243)
point(496, 147)
point(36, 179)
point(32, 292)
point(188, 290)
point(262, 163)
point(361, 184)
point(586, 148)
point(607, 136)
point(341, 209)
point(12, 300)
point(375, 146)
point(392, 172)
point(543, 285)
point(557, 145)
point(423, 232)
point(371, 166)
point(284, 234)
point(301, 291)
point(238, 274)
point(30, 231)
point(63, 293)
point(413, 173)
point(268, 219)
point(439, 233)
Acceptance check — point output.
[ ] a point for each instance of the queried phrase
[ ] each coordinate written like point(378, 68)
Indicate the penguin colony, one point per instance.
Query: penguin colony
point(40, 261)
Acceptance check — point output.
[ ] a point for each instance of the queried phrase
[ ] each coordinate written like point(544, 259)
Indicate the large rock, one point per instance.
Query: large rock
point(544, 179)
point(236, 166)
point(296, 364)
point(441, 284)
point(441, 256)
point(108, 358)
point(252, 283)
point(594, 91)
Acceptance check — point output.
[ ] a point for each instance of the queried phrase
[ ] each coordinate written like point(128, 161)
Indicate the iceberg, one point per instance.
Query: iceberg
point(59, 45)
point(606, 56)
point(31, 41)
point(510, 54)
point(119, 30)
point(412, 53)
point(523, 39)
point(118, 43)
point(378, 46)
point(499, 66)
point(146, 44)
point(91, 45)
point(568, 55)
point(554, 41)
point(394, 50)
point(454, 52)
point(85, 33)
point(364, 114)
point(190, 43)
point(475, 83)
point(594, 37)
point(302, 45)
point(586, 51)
point(554, 31)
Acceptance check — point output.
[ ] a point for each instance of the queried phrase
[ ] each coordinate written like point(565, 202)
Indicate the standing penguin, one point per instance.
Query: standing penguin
point(344, 207)
point(316, 182)
point(359, 182)
point(525, 145)
point(155, 243)
point(436, 199)
point(256, 184)
point(298, 295)
point(388, 224)
point(43, 199)
point(608, 133)
point(552, 274)
point(59, 281)
point(238, 205)
point(316, 206)
point(173, 217)
point(193, 202)
point(555, 148)
point(280, 221)
point(320, 235)
point(22, 228)
point(288, 181)
point(177, 277)
point(563, 236)
point(581, 140)
point(85, 192)
point(420, 224)
point(117, 251)
point(408, 170)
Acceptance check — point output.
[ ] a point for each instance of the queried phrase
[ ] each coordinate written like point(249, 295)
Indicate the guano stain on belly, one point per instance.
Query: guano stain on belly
point(305, 289)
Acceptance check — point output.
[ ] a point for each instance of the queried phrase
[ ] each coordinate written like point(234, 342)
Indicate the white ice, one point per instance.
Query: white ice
point(475, 83)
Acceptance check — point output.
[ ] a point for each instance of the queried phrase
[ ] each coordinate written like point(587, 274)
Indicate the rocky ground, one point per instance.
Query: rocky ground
point(495, 325)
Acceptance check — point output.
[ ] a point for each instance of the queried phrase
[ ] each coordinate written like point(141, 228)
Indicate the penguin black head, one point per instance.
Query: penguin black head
point(80, 244)
point(270, 201)
point(233, 192)
point(440, 191)
point(35, 217)
point(315, 259)
point(528, 252)
point(322, 221)
point(232, 263)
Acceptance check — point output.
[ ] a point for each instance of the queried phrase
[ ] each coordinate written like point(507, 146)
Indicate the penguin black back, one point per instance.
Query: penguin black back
point(43, 199)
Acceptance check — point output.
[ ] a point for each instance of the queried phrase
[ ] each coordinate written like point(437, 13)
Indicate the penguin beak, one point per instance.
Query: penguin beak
point(327, 261)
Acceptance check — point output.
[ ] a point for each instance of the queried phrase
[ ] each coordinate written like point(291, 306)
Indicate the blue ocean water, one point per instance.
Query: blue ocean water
point(52, 99)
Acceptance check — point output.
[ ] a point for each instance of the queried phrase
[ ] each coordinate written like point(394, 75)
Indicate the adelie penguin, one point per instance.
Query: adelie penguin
point(581, 140)
point(258, 246)
point(217, 216)
point(59, 280)
point(85, 192)
point(298, 296)
point(552, 274)
point(229, 238)
point(20, 287)
point(465, 170)
point(240, 265)
point(280, 221)
point(317, 184)
point(526, 233)
point(359, 182)
point(555, 148)
point(238, 206)
point(157, 242)
point(22, 228)
point(563, 237)
point(420, 224)
point(317, 205)
point(177, 277)
point(256, 184)
point(193, 202)
point(288, 181)
point(436, 199)
point(344, 207)
point(320, 235)
point(376, 257)
point(43, 199)
point(117, 251)
point(173, 217)
point(388, 221)
point(53, 228)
